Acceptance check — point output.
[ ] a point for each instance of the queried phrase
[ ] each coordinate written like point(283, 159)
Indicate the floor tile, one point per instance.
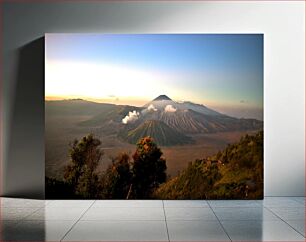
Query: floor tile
point(189, 214)
point(128, 204)
point(185, 203)
point(16, 213)
point(235, 203)
point(22, 203)
point(281, 202)
point(118, 231)
point(298, 225)
point(244, 214)
point(70, 203)
point(300, 200)
point(124, 214)
point(144, 220)
point(57, 214)
point(196, 231)
point(290, 213)
point(39, 230)
point(261, 231)
point(6, 228)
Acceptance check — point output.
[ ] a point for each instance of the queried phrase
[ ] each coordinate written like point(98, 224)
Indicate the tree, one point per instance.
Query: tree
point(148, 168)
point(81, 173)
point(116, 181)
point(58, 189)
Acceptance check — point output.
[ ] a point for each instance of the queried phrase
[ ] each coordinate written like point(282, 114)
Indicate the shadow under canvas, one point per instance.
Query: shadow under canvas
point(26, 151)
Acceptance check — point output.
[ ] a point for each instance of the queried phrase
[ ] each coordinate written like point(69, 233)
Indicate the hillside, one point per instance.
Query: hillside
point(189, 121)
point(161, 133)
point(234, 173)
point(75, 107)
point(114, 114)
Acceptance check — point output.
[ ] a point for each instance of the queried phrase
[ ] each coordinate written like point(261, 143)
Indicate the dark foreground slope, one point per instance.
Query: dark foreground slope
point(234, 173)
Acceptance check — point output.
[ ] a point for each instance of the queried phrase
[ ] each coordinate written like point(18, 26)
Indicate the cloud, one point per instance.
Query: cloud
point(131, 117)
point(152, 108)
point(170, 108)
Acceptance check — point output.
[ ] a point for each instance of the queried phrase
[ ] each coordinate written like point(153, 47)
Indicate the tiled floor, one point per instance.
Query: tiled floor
point(274, 219)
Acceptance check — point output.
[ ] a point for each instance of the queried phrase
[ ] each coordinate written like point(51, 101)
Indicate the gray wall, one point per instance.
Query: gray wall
point(23, 77)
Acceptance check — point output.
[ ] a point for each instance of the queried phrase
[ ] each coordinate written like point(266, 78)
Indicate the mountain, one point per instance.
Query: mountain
point(199, 108)
point(162, 97)
point(176, 119)
point(181, 118)
point(75, 107)
point(162, 101)
point(190, 118)
point(161, 133)
point(191, 122)
point(114, 114)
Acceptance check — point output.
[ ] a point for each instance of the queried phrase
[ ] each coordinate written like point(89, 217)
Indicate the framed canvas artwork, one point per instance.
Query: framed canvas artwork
point(154, 116)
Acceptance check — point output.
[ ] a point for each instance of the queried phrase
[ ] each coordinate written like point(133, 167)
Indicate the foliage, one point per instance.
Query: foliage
point(136, 179)
point(123, 179)
point(234, 173)
point(80, 173)
point(117, 180)
point(56, 189)
point(247, 153)
point(195, 182)
point(148, 168)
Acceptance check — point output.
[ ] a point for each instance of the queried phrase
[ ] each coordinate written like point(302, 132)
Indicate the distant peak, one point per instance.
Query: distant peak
point(75, 99)
point(162, 97)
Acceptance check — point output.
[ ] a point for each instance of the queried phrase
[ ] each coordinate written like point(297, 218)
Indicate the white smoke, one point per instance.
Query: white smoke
point(152, 108)
point(170, 108)
point(131, 117)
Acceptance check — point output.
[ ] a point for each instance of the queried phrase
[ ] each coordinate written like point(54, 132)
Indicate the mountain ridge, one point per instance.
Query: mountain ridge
point(162, 97)
point(183, 119)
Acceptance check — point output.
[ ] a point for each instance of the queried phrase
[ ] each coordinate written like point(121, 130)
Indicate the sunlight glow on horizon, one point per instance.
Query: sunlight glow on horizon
point(115, 84)
point(222, 72)
point(98, 80)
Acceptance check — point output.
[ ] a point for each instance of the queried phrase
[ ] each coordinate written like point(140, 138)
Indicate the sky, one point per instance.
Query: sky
point(221, 71)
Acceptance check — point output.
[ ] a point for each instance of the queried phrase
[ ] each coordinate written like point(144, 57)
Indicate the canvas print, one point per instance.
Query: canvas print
point(154, 116)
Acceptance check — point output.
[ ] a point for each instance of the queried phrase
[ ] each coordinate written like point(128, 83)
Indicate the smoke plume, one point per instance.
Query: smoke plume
point(131, 117)
point(170, 109)
point(152, 108)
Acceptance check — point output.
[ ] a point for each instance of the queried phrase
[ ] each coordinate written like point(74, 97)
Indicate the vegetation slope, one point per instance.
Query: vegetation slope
point(234, 173)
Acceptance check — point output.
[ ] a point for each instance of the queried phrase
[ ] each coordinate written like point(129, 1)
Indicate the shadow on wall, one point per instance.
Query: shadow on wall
point(26, 154)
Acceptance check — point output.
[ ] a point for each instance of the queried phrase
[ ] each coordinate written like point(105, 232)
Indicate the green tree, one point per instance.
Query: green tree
point(81, 172)
point(148, 168)
point(116, 181)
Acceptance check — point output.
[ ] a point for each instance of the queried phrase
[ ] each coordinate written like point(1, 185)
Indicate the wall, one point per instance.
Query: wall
point(24, 25)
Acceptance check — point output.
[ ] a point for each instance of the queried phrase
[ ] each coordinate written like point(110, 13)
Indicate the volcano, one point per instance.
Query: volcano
point(162, 101)
point(168, 122)
point(162, 98)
